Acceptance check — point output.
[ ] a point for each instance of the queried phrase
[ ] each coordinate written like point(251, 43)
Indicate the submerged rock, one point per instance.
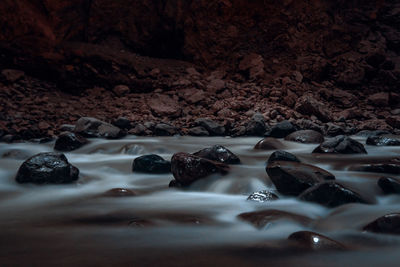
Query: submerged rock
point(218, 153)
point(47, 168)
point(341, 145)
point(119, 192)
point(305, 136)
point(388, 224)
point(188, 168)
point(269, 143)
point(391, 167)
point(331, 194)
point(314, 241)
point(389, 185)
point(292, 178)
point(92, 127)
point(382, 141)
point(281, 155)
point(69, 141)
point(281, 129)
point(151, 164)
point(263, 196)
point(260, 219)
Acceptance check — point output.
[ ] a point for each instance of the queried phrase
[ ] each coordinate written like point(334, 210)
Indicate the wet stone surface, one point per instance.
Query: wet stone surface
point(262, 196)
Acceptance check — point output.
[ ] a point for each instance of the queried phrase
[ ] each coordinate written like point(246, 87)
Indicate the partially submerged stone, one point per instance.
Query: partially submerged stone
point(387, 224)
point(262, 218)
point(341, 145)
point(306, 136)
point(68, 141)
point(47, 168)
point(218, 153)
point(269, 143)
point(313, 241)
point(262, 196)
point(281, 155)
point(151, 164)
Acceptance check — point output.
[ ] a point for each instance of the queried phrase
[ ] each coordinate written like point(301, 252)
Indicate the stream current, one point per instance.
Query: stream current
point(78, 225)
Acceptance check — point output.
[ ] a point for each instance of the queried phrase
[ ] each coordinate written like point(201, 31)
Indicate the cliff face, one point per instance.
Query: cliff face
point(349, 42)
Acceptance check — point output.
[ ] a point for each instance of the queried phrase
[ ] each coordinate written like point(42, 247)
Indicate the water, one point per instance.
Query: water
point(76, 224)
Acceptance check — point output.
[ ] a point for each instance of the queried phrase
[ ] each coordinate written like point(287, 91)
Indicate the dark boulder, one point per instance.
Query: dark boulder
point(292, 178)
point(263, 196)
point(256, 126)
point(164, 129)
point(261, 218)
point(389, 185)
point(281, 155)
point(218, 153)
point(341, 145)
point(281, 129)
point(388, 224)
point(68, 141)
point(314, 241)
point(92, 127)
point(188, 168)
point(123, 123)
point(331, 194)
point(198, 131)
point(269, 143)
point(382, 141)
point(212, 127)
point(151, 164)
point(391, 167)
point(306, 136)
point(47, 168)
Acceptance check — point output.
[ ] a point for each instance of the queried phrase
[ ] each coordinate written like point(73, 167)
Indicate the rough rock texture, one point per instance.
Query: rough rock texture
point(47, 168)
point(69, 141)
point(383, 141)
point(331, 194)
point(92, 127)
point(292, 178)
point(188, 168)
point(218, 153)
point(341, 145)
point(151, 164)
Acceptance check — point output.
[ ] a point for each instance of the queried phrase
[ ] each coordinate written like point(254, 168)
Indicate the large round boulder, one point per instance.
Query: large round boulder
point(341, 145)
point(151, 164)
point(292, 178)
point(47, 168)
point(188, 168)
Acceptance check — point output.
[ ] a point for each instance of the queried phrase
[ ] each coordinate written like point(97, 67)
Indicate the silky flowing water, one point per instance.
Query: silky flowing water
point(76, 224)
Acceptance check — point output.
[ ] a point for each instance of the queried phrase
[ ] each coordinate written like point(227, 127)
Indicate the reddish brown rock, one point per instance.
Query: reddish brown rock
point(164, 105)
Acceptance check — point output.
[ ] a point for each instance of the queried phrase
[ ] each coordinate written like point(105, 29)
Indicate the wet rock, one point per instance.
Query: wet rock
point(331, 194)
point(387, 224)
point(218, 153)
point(308, 105)
point(305, 136)
point(334, 130)
point(392, 167)
point(256, 126)
point(382, 141)
point(119, 192)
point(164, 129)
point(68, 141)
point(281, 130)
point(281, 155)
point(211, 126)
point(262, 196)
point(198, 131)
point(314, 241)
point(389, 185)
point(175, 183)
point(151, 164)
point(123, 123)
point(188, 168)
point(369, 133)
point(341, 145)
point(292, 178)
point(260, 219)
point(47, 168)
point(379, 99)
point(92, 127)
point(269, 143)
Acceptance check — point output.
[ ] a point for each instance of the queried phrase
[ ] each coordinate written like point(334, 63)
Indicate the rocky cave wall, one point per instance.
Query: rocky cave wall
point(354, 44)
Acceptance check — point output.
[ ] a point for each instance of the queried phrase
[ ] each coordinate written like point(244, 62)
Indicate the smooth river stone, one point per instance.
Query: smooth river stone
point(68, 141)
point(314, 241)
point(306, 136)
point(281, 155)
point(218, 153)
point(340, 145)
point(387, 224)
point(269, 143)
point(151, 164)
